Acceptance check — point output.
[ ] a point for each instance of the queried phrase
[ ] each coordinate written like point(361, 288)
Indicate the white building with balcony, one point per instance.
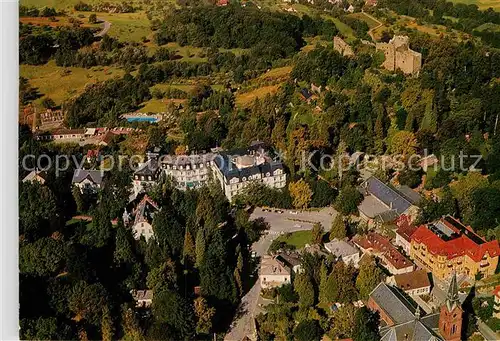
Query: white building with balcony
point(237, 169)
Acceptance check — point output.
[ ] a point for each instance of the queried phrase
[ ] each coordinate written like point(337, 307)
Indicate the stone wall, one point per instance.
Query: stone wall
point(398, 55)
point(342, 47)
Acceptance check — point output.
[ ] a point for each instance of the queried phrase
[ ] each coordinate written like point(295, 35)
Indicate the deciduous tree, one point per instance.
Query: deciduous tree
point(301, 193)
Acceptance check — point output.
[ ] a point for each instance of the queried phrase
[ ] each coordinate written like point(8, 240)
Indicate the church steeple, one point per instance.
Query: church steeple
point(450, 318)
point(452, 300)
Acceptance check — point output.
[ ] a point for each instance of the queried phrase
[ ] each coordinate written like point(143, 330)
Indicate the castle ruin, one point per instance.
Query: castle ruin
point(398, 55)
point(342, 47)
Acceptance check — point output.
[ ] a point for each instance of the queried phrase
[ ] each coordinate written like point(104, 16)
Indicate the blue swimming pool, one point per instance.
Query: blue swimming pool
point(142, 119)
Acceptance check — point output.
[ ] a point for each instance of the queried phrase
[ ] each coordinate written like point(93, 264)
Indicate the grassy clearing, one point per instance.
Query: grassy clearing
point(158, 105)
point(299, 239)
point(344, 29)
point(164, 86)
point(277, 73)
point(62, 83)
point(60, 21)
point(153, 105)
point(490, 27)
point(127, 27)
point(63, 4)
point(362, 16)
point(58, 4)
point(482, 4)
point(246, 98)
point(184, 87)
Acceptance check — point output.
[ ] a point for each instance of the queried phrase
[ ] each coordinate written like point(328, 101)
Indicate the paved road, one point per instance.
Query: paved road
point(370, 32)
point(289, 222)
point(105, 28)
point(244, 324)
point(486, 331)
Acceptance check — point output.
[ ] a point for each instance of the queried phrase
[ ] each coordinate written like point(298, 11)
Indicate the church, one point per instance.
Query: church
point(401, 319)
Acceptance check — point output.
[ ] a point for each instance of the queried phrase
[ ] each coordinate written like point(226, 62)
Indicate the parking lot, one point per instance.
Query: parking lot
point(293, 220)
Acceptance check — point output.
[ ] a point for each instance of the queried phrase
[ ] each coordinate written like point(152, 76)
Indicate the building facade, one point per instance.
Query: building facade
point(237, 170)
point(147, 174)
point(88, 181)
point(384, 204)
point(450, 316)
point(447, 245)
point(414, 283)
point(398, 55)
point(496, 302)
point(342, 47)
point(141, 218)
point(402, 321)
point(188, 171)
point(344, 251)
point(273, 273)
point(379, 246)
point(404, 232)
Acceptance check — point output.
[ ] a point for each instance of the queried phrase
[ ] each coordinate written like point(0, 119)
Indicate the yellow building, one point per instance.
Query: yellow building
point(448, 246)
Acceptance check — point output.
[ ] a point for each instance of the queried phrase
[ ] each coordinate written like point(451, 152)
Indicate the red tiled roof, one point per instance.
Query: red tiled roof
point(396, 259)
point(382, 246)
point(65, 131)
point(92, 153)
point(373, 241)
point(496, 292)
point(405, 227)
point(455, 247)
point(413, 280)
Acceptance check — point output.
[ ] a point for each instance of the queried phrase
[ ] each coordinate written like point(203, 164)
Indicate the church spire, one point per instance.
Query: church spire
point(452, 297)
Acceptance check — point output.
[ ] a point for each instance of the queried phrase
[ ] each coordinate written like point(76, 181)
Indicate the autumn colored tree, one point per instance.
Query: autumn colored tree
point(301, 193)
point(200, 246)
point(369, 277)
point(339, 228)
point(180, 150)
point(204, 315)
point(189, 248)
point(403, 143)
point(107, 328)
point(317, 234)
point(342, 322)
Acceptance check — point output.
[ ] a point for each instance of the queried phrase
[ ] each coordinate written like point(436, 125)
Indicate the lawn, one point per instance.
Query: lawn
point(246, 98)
point(277, 73)
point(489, 27)
point(344, 29)
point(482, 4)
point(362, 16)
point(158, 105)
point(61, 4)
point(62, 83)
point(127, 27)
point(299, 239)
point(60, 21)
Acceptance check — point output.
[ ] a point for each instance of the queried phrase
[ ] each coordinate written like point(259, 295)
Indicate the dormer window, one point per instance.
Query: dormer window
point(244, 179)
point(268, 174)
point(174, 167)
